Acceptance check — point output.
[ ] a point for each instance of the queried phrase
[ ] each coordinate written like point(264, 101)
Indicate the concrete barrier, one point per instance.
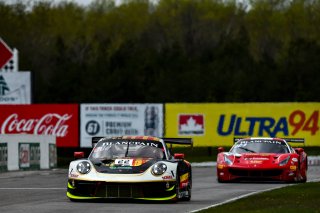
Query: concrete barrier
point(27, 152)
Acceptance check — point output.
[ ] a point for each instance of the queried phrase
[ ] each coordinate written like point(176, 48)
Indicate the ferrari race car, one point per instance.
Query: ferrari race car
point(131, 167)
point(263, 159)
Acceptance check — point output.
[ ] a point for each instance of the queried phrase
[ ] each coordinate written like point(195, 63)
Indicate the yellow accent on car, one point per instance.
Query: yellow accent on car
point(184, 177)
point(170, 189)
point(164, 198)
point(293, 168)
point(220, 166)
point(69, 195)
point(70, 186)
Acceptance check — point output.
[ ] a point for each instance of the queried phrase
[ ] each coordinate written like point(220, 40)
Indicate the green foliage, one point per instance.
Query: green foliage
point(169, 51)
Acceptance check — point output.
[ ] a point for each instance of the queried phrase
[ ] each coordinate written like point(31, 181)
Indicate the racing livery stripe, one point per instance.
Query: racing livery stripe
point(170, 189)
point(80, 197)
point(70, 186)
point(165, 198)
point(184, 177)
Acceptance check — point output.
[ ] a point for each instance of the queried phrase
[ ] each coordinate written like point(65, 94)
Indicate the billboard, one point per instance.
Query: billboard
point(60, 120)
point(29, 156)
point(15, 88)
point(111, 120)
point(217, 124)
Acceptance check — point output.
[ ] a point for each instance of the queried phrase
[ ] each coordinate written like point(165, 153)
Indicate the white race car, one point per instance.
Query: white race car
point(134, 167)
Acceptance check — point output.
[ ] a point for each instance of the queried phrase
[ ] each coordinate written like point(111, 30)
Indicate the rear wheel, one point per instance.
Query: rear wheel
point(187, 196)
point(178, 188)
point(183, 194)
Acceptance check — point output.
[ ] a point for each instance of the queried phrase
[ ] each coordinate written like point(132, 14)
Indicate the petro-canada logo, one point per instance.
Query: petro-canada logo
point(191, 124)
point(3, 86)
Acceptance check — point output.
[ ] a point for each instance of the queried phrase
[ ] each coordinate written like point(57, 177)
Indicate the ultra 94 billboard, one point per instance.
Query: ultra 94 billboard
point(60, 120)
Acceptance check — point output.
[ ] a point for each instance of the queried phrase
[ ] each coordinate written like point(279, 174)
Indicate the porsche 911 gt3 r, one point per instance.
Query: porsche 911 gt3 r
point(262, 159)
point(134, 167)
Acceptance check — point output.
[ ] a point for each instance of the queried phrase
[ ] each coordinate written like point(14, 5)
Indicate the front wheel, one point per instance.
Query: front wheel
point(184, 194)
point(187, 197)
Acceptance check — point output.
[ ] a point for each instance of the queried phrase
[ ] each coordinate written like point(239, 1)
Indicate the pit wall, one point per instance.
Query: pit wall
point(27, 152)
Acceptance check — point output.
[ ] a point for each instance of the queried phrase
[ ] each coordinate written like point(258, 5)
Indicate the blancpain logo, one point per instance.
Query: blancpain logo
point(48, 124)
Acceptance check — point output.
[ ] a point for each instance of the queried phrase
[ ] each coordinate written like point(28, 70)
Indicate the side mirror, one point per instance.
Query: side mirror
point(78, 155)
point(299, 150)
point(178, 156)
point(220, 149)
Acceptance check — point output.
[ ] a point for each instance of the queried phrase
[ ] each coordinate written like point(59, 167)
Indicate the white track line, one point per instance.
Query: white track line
point(234, 199)
point(246, 195)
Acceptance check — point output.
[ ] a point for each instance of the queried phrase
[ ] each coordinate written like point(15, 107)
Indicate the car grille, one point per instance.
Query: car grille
point(255, 173)
point(122, 190)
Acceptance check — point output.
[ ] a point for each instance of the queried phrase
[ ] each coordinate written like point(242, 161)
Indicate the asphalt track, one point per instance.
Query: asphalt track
point(45, 191)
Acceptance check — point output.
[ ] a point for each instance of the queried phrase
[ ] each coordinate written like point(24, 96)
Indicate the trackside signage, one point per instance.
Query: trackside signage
point(218, 124)
point(15, 88)
point(60, 120)
point(112, 120)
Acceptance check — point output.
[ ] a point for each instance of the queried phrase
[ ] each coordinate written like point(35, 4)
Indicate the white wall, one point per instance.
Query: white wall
point(14, 156)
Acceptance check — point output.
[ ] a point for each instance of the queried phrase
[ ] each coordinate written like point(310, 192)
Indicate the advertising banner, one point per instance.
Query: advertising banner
point(217, 124)
point(109, 120)
point(29, 156)
point(52, 156)
point(15, 88)
point(60, 120)
point(24, 155)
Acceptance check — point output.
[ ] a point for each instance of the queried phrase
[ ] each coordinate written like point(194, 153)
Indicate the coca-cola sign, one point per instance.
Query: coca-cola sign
point(60, 120)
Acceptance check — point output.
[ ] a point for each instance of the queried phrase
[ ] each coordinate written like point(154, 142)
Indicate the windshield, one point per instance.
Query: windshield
point(260, 146)
point(110, 150)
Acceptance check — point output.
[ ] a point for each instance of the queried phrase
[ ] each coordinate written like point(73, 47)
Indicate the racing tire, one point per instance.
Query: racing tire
point(189, 188)
point(188, 197)
point(177, 188)
point(221, 181)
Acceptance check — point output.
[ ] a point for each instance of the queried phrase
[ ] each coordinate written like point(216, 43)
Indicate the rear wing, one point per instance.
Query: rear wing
point(179, 141)
point(289, 140)
point(294, 140)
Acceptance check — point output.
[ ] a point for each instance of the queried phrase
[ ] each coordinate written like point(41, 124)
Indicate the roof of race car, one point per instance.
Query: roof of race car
point(149, 138)
point(292, 140)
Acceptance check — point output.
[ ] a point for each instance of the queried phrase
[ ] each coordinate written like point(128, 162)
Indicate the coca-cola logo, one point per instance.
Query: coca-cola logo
point(48, 124)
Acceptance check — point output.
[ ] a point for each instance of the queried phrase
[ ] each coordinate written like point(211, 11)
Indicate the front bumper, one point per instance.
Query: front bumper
point(80, 189)
point(265, 174)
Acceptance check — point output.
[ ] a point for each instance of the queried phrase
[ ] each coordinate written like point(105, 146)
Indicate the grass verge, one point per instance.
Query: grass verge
point(298, 198)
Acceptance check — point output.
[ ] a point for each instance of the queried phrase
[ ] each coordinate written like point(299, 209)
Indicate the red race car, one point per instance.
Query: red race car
point(263, 159)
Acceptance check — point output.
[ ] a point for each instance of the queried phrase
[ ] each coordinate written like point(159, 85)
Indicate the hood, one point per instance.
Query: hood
point(257, 159)
point(123, 165)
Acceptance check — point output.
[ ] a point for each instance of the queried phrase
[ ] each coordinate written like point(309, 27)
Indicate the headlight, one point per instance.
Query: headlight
point(83, 167)
point(159, 169)
point(285, 161)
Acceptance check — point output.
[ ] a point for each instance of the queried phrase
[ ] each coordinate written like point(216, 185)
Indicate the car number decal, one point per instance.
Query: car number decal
point(123, 162)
